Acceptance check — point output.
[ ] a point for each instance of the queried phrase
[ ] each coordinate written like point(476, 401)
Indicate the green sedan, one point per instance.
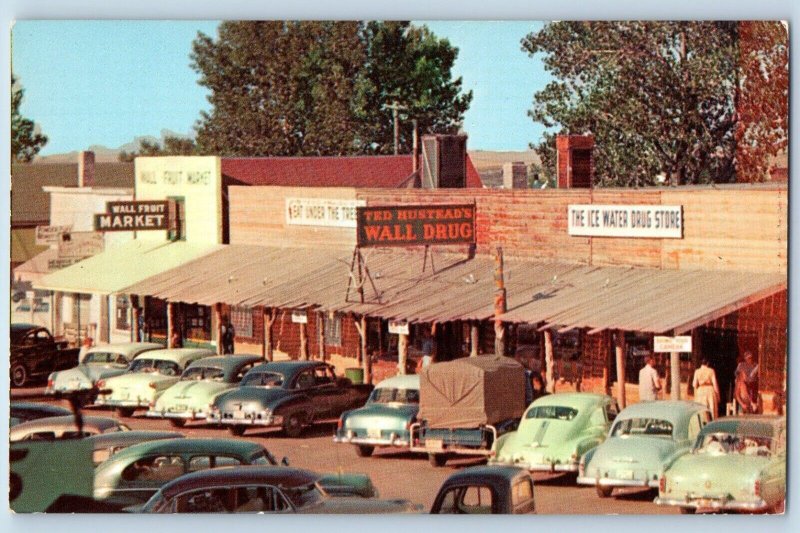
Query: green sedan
point(556, 430)
point(737, 464)
point(199, 386)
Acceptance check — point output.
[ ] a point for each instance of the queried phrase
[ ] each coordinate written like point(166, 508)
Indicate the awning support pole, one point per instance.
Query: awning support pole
point(218, 326)
point(675, 375)
point(137, 312)
point(402, 353)
point(499, 303)
point(473, 338)
point(303, 341)
point(362, 332)
point(266, 348)
point(171, 323)
point(619, 350)
point(548, 361)
point(321, 334)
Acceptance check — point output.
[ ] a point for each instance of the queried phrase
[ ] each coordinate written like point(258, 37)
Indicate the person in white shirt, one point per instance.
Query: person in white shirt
point(649, 382)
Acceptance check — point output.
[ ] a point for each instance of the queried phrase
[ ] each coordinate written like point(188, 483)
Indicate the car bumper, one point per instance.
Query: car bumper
point(186, 415)
point(714, 504)
point(540, 467)
point(121, 403)
point(611, 482)
point(62, 389)
point(371, 441)
point(252, 420)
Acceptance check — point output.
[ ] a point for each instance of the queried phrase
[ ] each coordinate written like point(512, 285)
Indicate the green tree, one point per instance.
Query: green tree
point(171, 146)
point(660, 97)
point(321, 87)
point(25, 140)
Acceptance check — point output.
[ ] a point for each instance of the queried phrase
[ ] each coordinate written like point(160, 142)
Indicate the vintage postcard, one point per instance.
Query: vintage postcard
point(399, 266)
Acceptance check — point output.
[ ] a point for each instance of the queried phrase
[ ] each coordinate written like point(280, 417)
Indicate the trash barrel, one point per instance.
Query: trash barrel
point(356, 375)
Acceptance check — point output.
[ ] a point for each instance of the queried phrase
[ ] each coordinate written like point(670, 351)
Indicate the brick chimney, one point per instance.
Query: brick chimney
point(515, 175)
point(86, 169)
point(575, 161)
point(444, 161)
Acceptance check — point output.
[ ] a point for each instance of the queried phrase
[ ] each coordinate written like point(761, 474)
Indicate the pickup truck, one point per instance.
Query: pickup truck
point(486, 490)
point(35, 354)
point(287, 394)
point(465, 405)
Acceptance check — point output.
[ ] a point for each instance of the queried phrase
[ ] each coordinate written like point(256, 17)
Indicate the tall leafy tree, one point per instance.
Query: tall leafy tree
point(322, 87)
point(171, 146)
point(25, 140)
point(660, 98)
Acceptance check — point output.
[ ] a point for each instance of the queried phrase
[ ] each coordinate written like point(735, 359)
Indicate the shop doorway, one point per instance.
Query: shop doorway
point(721, 348)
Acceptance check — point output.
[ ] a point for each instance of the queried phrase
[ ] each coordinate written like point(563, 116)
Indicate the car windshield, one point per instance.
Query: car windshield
point(642, 426)
point(263, 379)
point(166, 368)
point(263, 458)
point(203, 373)
point(388, 395)
point(552, 412)
point(304, 495)
point(732, 444)
point(105, 358)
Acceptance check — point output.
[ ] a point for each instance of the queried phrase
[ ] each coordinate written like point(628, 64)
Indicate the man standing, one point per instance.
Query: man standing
point(750, 370)
point(649, 382)
point(228, 334)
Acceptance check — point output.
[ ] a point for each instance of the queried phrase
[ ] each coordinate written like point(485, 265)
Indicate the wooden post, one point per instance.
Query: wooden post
point(58, 322)
point(321, 334)
point(266, 348)
point(303, 342)
point(362, 331)
point(548, 361)
point(474, 338)
point(217, 308)
point(619, 350)
point(675, 375)
point(499, 304)
point(170, 323)
point(402, 353)
point(137, 312)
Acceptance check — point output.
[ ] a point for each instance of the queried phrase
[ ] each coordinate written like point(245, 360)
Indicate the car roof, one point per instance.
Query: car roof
point(178, 355)
point(496, 476)
point(190, 445)
point(29, 407)
point(240, 475)
point(227, 363)
point(287, 368)
point(129, 438)
point(409, 381)
point(125, 348)
point(757, 425)
point(60, 422)
point(670, 410)
point(571, 399)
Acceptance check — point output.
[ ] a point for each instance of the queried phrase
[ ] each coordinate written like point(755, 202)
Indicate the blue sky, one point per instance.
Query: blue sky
point(106, 82)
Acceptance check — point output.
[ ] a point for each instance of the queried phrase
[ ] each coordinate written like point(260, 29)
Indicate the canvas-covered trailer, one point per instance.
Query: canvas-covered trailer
point(466, 404)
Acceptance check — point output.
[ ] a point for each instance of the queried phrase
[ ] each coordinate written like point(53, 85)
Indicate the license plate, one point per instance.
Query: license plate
point(625, 474)
point(434, 444)
point(374, 433)
point(238, 415)
point(179, 409)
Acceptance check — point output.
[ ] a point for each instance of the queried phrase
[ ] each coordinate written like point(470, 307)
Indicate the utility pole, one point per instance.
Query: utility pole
point(396, 108)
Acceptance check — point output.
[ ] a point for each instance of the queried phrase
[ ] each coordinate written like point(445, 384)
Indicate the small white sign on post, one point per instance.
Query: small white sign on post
point(398, 328)
point(299, 317)
point(681, 344)
point(46, 235)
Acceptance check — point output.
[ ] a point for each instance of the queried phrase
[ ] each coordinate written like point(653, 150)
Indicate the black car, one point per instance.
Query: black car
point(35, 354)
point(486, 490)
point(27, 411)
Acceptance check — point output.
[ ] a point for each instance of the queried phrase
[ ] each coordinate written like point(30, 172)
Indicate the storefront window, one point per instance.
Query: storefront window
point(242, 321)
point(177, 218)
point(197, 322)
point(123, 313)
point(333, 330)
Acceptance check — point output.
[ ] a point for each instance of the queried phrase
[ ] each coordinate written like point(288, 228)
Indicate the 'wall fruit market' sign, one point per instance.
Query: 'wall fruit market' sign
point(133, 216)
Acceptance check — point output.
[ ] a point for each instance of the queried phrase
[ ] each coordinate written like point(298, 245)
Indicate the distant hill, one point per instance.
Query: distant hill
point(485, 159)
point(103, 154)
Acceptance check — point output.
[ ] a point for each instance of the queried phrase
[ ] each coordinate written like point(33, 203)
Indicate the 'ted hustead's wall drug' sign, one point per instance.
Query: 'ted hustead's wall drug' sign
point(133, 216)
point(416, 225)
point(646, 221)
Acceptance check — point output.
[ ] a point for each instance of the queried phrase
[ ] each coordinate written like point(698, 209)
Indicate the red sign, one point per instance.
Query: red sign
point(416, 225)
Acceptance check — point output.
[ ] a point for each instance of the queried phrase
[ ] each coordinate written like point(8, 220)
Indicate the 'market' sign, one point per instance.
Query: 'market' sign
point(416, 225)
point(646, 221)
point(133, 216)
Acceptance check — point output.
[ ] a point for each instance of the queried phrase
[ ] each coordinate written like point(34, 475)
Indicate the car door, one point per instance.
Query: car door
point(39, 347)
point(338, 398)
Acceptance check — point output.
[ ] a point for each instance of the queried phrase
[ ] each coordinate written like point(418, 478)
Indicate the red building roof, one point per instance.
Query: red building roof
point(385, 171)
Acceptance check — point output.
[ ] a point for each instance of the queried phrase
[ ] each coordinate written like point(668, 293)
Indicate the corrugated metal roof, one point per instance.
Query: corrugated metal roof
point(563, 295)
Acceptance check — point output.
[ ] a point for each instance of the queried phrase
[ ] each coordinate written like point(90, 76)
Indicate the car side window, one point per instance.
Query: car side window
point(521, 492)
point(467, 500)
point(611, 411)
point(204, 462)
point(242, 371)
point(98, 456)
point(159, 468)
point(206, 501)
point(42, 336)
point(260, 499)
point(322, 376)
point(305, 380)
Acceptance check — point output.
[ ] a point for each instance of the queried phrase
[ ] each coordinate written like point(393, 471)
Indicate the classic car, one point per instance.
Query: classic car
point(35, 354)
point(737, 464)
point(26, 411)
point(486, 490)
point(644, 437)
point(385, 419)
point(64, 427)
point(287, 394)
point(134, 474)
point(262, 489)
point(147, 378)
point(98, 362)
point(104, 445)
point(556, 430)
point(201, 382)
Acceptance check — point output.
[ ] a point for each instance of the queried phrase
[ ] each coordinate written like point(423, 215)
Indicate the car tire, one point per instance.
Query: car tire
point(19, 375)
point(177, 422)
point(293, 425)
point(236, 431)
point(437, 459)
point(688, 510)
point(364, 450)
point(125, 412)
point(604, 492)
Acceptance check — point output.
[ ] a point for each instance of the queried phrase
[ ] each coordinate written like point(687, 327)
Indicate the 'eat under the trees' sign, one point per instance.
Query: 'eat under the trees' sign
point(416, 225)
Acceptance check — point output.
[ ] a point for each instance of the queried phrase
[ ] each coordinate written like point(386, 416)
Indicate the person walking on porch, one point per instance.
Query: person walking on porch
point(706, 390)
point(649, 382)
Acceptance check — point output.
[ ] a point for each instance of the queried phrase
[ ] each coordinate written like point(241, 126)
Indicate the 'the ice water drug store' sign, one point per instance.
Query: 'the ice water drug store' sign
point(416, 225)
point(645, 221)
point(681, 344)
point(322, 212)
point(139, 215)
point(398, 328)
point(299, 317)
